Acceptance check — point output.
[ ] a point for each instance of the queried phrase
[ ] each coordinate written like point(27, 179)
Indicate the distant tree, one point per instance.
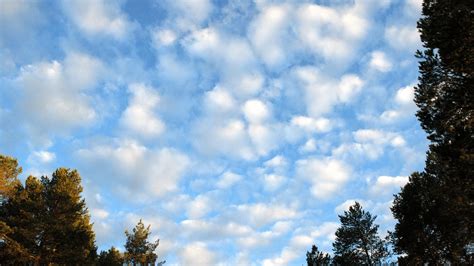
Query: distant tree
point(112, 257)
point(440, 198)
point(138, 249)
point(317, 258)
point(357, 241)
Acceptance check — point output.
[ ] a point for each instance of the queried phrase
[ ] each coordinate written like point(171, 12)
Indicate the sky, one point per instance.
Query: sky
point(238, 129)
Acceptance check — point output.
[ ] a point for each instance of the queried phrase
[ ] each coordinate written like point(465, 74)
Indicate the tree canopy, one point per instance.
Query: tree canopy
point(138, 248)
point(440, 198)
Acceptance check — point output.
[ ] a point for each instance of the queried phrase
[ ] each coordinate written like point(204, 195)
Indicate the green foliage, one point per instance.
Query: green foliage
point(9, 171)
point(138, 249)
point(317, 258)
point(440, 199)
point(112, 257)
point(47, 221)
point(357, 241)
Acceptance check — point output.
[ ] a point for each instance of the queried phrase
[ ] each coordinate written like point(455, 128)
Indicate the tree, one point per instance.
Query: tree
point(138, 249)
point(357, 241)
point(112, 257)
point(317, 258)
point(47, 221)
point(9, 171)
point(443, 193)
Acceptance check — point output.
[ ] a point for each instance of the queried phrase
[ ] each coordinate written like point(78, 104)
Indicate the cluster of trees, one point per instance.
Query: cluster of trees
point(46, 221)
point(435, 209)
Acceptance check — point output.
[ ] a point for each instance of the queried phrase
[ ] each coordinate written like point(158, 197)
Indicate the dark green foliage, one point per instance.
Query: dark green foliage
point(357, 241)
point(443, 195)
point(317, 258)
point(112, 257)
point(138, 249)
point(47, 222)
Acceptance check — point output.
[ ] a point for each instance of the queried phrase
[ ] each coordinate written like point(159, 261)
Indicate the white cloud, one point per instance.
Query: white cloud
point(369, 143)
point(197, 253)
point(312, 125)
point(380, 62)
point(404, 105)
point(276, 162)
point(403, 37)
point(98, 17)
point(187, 15)
point(199, 207)
point(322, 93)
point(163, 37)
point(139, 172)
point(261, 214)
point(348, 203)
point(272, 181)
point(309, 146)
point(99, 214)
point(219, 100)
point(41, 157)
point(388, 185)
point(256, 111)
point(228, 179)
point(55, 98)
point(326, 175)
point(140, 115)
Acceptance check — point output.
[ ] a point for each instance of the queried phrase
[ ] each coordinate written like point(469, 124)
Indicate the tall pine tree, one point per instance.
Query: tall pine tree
point(443, 194)
point(357, 241)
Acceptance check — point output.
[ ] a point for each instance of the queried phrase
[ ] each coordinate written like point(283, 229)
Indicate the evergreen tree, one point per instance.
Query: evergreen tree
point(138, 249)
point(69, 232)
point(317, 258)
point(46, 221)
point(112, 257)
point(357, 241)
point(9, 171)
point(434, 210)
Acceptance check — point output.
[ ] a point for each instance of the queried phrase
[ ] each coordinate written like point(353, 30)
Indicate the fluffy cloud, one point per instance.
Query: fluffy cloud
point(228, 179)
point(41, 157)
point(55, 94)
point(98, 17)
point(261, 214)
point(322, 93)
point(403, 105)
point(380, 62)
point(325, 175)
point(403, 37)
point(140, 116)
point(388, 185)
point(197, 253)
point(369, 143)
point(140, 172)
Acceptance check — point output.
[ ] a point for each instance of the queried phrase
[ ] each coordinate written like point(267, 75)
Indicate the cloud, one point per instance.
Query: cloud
point(256, 111)
point(261, 214)
point(404, 105)
point(98, 17)
point(311, 125)
point(380, 62)
point(326, 175)
point(369, 143)
point(139, 172)
point(228, 179)
point(41, 157)
point(197, 253)
point(401, 37)
point(388, 185)
point(54, 95)
point(140, 115)
point(323, 93)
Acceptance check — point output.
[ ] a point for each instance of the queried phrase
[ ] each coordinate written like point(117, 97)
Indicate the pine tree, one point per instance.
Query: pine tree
point(68, 234)
point(138, 249)
point(357, 241)
point(443, 224)
point(112, 257)
point(317, 258)
point(9, 171)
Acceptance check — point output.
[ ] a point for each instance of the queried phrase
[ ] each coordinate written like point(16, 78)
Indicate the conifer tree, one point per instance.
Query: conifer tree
point(9, 171)
point(444, 193)
point(112, 257)
point(357, 241)
point(317, 258)
point(138, 248)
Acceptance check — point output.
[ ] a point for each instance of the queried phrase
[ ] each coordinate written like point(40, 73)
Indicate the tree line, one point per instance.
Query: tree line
point(435, 209)
point(46, 222)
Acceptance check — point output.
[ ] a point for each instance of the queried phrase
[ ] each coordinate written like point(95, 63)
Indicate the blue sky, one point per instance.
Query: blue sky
point(238, 129)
